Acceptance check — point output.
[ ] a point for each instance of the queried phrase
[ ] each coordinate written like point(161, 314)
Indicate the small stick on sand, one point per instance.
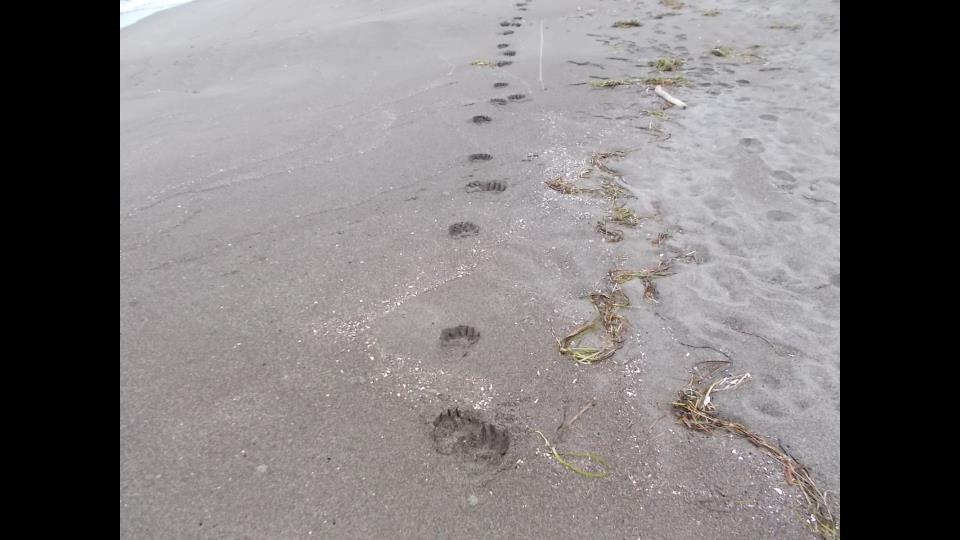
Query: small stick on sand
point(566, 425)
point(663, 93)
point(541, 57)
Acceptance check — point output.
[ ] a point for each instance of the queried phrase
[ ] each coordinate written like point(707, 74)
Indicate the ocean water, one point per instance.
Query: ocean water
point(132, 11)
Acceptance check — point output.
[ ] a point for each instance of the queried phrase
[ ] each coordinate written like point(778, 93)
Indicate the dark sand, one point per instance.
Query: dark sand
point(289, 173)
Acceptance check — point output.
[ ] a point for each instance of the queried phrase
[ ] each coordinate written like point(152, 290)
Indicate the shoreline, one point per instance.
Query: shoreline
point(132, 16)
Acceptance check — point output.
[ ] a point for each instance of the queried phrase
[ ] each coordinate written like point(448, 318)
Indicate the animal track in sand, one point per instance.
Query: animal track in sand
point(463, 229)
point(770, 407)
point(516, 97)
point(780, 215)
point(500, 85)
point(502, 45)
point(772, 381)
point(509, 53)
point(492, 185)
point(754, 146)
point(465, 435)
point(481, 119)
point(784, 176)
point(480, 157)
point(506, 32)
point(498, 101)
point(459, 336)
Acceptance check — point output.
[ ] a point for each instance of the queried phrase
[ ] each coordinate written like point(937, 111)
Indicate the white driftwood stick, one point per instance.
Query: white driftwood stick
point(542, 87)
point(663, 93)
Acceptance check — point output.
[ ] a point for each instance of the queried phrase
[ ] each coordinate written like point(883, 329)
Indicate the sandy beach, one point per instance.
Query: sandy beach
point(336, 226)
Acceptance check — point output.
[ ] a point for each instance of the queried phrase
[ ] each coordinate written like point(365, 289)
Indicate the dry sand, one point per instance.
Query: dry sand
point(289, 171)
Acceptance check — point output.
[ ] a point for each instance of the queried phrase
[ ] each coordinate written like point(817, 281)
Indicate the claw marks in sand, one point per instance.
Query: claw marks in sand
point(465, 435)
point(459, 336)
point(463, 229)
point(493, 185)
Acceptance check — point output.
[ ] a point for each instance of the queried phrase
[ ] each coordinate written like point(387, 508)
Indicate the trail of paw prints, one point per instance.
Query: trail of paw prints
point(463, 229)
